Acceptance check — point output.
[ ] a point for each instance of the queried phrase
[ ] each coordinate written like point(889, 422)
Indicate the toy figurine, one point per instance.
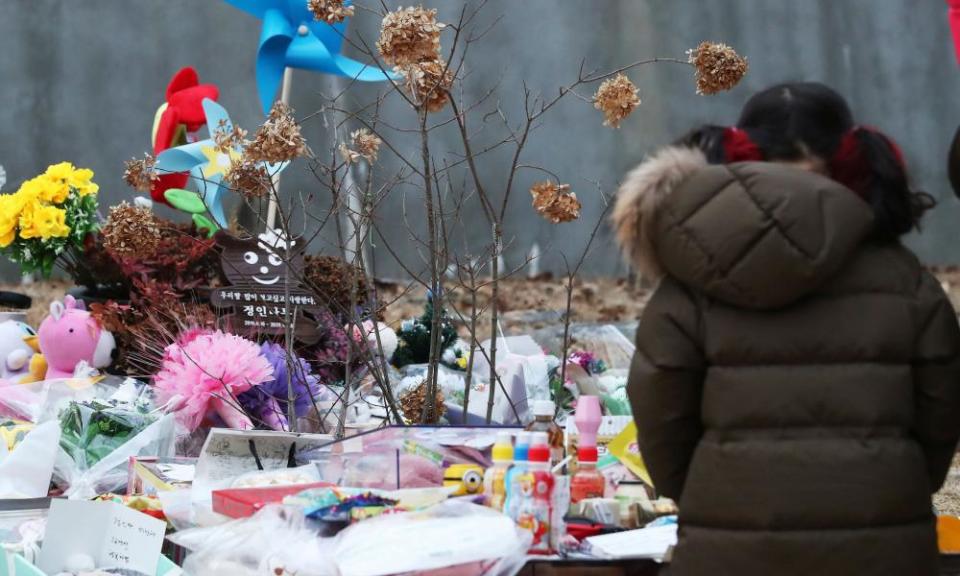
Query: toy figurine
point(15, 350)
point(70, 338)
point(177, 121)
point(466, 478)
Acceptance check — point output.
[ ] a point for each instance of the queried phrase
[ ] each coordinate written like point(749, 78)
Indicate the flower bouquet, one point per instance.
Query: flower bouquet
point(93, 429)
point(48, 219)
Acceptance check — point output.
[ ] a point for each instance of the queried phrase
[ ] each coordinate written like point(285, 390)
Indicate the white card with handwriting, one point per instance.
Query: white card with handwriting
point(113, 535)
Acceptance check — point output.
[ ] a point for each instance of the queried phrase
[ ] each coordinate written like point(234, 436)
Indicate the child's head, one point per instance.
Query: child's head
point(808, 125)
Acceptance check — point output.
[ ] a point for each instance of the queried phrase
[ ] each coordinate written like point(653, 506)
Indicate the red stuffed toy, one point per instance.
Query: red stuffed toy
point(176, 120)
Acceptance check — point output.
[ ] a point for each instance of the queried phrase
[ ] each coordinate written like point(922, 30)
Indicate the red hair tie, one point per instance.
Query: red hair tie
point(848, 165)
point(738, 147)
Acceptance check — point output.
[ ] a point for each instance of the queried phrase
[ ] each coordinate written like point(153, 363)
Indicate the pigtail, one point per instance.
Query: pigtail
point(707, 138)
point(885, 185)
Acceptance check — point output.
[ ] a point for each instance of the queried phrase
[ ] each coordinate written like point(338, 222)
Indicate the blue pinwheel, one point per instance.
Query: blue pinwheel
point(290, 37)
point(207, 167)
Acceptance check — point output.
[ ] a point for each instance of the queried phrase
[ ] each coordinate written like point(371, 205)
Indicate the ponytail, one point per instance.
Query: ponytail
point(872, 165)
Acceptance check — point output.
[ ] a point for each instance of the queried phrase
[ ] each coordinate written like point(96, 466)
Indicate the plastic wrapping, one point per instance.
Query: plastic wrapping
point(102, 423)
point(279, 540)
point(452, 538)
point(276, 540)
point(26, 471)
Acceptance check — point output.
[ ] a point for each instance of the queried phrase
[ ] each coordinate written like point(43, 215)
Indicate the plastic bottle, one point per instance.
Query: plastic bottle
point(587, 482)
point(494, 480)
point(535, 508)
point(512, 503)
point(544, 412)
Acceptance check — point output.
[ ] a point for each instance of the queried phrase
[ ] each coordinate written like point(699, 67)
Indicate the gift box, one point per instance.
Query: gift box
point(245, 502)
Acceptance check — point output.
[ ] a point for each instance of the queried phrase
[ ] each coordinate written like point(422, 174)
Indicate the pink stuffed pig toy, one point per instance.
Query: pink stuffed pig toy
point(70, 336)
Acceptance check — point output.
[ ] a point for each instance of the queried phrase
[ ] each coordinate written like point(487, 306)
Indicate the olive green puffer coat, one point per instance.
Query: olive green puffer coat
point(796, 386)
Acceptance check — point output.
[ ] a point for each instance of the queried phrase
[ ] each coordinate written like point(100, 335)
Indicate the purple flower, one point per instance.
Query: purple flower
point(269, 401)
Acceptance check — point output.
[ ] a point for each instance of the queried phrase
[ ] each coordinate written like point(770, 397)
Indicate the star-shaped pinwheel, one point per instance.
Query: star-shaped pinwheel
point(290, 37)
point(207, 166)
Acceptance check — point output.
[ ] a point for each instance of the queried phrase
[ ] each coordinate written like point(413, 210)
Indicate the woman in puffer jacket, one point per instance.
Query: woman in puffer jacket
point(796, 384)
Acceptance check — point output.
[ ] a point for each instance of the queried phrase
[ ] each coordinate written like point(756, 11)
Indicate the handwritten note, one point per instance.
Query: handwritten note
point(113, 535)
point(227, 454)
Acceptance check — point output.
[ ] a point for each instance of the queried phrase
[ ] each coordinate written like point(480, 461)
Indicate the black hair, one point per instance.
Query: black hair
point(803, 120)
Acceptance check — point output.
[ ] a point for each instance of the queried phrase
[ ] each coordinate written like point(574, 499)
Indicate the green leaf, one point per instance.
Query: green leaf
point(185, 200)
point(205, 225)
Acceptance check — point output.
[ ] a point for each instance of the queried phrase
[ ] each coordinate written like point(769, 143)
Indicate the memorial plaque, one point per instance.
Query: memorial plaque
point(264, 275)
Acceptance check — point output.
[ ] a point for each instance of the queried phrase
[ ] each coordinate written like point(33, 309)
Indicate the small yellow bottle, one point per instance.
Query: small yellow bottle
point(494, 480)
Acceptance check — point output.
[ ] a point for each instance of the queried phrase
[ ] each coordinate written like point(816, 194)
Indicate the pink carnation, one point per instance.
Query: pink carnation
point(207, 371)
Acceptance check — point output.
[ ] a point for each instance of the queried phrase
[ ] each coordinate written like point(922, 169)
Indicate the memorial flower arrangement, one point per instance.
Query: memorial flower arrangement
point(48, 218)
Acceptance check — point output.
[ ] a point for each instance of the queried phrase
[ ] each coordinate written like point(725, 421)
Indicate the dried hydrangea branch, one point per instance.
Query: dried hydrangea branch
point(571, 276)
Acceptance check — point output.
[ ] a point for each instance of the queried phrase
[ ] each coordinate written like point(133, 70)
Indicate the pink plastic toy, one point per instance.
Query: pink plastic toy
point(587, 419)
point(70, 336)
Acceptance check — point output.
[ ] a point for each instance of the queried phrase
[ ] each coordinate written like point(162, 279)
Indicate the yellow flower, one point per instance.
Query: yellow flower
point(462, 362)
point(80, 177)
point(88, 188)
point(26, 221)
point(62, 171)
point(10, 206)
point(44, 222)
point(52, 189)
point(32, 189)
point(82, 180)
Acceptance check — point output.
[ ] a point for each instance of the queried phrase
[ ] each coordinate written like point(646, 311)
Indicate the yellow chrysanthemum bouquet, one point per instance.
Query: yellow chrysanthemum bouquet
point(48, 217)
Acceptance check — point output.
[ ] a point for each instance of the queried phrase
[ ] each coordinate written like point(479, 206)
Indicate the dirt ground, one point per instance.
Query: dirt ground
point(530, 305)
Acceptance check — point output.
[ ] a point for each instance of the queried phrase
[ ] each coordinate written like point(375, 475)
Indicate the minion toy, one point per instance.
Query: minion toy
point(467, 478)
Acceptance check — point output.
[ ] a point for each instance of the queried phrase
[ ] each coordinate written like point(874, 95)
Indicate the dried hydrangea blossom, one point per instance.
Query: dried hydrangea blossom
point(412, 404)
point(226, 141)
point(718, 67)
point(366, 143)
point(249, 177)
point(278, 139)
point(141, 174)
point(409, 35)
point(617, 97)
point(349, 156)
point(555, 202)
point(131, 232)
point(330, 11)
point(428, 83)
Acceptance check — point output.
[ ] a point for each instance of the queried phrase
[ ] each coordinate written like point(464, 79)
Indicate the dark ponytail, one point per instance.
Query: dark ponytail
point(804, 120)
point(897, 209)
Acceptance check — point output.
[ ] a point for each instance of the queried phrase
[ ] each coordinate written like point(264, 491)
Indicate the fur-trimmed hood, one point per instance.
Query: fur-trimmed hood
point(754, 235)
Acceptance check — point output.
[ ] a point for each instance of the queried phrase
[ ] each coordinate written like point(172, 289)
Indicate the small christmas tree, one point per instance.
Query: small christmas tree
point(414, 337)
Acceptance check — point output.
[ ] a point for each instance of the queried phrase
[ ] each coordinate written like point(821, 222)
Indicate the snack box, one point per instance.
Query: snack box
point(245, 502)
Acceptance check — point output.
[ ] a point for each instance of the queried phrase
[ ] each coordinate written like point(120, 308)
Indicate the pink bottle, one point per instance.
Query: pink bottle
point(587, 419)
point(587, 482)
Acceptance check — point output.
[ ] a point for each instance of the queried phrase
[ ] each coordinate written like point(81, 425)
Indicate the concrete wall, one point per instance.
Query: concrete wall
point(81, 79)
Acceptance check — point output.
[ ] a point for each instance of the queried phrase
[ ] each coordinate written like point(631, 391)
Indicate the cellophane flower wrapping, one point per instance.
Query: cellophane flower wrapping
point(102, 424)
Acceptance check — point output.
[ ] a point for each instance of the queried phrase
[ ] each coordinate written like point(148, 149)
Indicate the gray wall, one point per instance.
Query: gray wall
point(80, 80)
